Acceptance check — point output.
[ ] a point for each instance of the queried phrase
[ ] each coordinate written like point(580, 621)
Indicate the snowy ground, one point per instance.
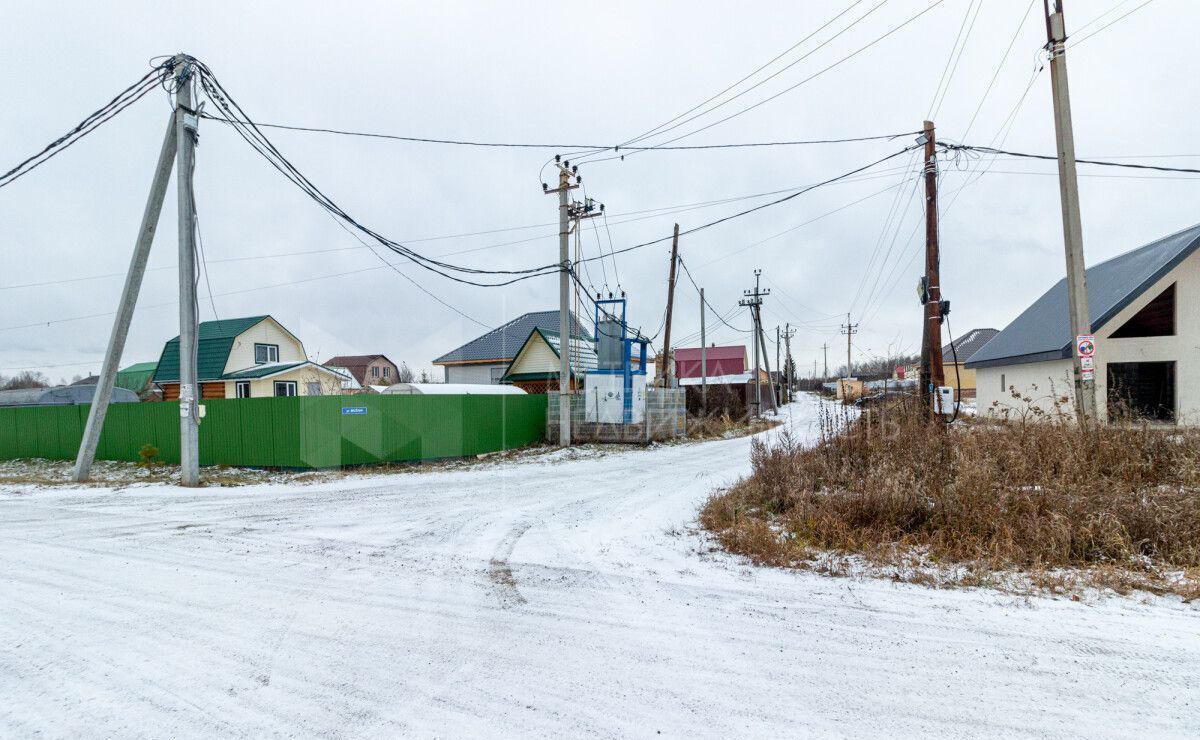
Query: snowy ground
point(547, 596)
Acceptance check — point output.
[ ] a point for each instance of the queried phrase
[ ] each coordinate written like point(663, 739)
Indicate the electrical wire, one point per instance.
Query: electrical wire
point(1051, 157)
point(1106, 25)
point(90, 123)
point(786, 90)
point(585, 147)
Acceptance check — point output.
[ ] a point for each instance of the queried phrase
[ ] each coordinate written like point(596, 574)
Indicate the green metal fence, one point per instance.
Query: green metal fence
point(321, 432)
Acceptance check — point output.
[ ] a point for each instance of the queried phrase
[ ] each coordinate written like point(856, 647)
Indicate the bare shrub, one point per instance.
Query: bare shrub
point(1031, 494)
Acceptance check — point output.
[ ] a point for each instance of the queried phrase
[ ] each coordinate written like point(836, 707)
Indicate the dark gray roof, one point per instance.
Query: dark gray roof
point(502, 344)
point(1043, 331)
point(968, 344)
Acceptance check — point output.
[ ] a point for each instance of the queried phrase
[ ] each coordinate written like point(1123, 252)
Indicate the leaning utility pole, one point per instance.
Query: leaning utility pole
point(932, 375)
point(1068, 183)
point(129, 296)
point(778, 369)
point(766, 357)
point(703, 360)
point(189, 390)
point(668, 370)
point(564, 298)
point(753, 299)
point(179, 143)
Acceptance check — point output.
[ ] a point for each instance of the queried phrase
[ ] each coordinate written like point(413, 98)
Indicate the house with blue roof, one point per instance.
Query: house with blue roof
point(1144, 308)
point(249, 357)
point(485, 359)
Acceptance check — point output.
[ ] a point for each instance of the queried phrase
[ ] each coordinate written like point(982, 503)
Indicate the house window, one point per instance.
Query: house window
point(242, 389)
point(285, 387)
point(265, 353)
point(313, 388)
point(387, 372)
point(374, 371)
point(497, 375)
point(1141, 390)
point(1003, 387)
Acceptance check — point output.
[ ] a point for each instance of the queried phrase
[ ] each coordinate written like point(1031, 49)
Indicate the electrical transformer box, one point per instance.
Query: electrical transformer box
point(604, 399)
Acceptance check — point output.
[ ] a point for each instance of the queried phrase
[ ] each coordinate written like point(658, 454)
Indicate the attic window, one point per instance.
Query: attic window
point(1156, 319)
point(265, 353)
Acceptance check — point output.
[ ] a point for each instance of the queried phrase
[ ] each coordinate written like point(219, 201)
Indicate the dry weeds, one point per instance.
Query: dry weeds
point(1025, 503)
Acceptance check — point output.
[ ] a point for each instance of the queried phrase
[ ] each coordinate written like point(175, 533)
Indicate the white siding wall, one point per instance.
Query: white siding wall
point(472, 374)
point(1183, 349)
point(1038, 380)
point(265, 387)
point(268, 331)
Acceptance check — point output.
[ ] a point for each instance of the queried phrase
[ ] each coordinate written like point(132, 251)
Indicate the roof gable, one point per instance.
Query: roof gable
point(525, 365)
point(214, 341)
point(501, 344)
point(357, 364)
point(1043, 332)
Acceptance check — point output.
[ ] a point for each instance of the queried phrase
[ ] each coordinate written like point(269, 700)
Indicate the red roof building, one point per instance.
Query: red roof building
point(720, 361)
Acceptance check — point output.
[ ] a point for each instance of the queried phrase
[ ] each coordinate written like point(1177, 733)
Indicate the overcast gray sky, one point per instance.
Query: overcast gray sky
point(558, 72)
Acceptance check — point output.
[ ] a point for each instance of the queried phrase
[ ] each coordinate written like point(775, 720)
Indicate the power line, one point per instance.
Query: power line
point(939, 94)
point(1098, 162)
point(776, 202)
point(515, 145)
point(664, 127)
point(93, 121)
point(786, 90)
point(1106, 25)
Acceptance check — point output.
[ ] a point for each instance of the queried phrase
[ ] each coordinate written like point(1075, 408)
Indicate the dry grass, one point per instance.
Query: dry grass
point(1025, 502)
point(723, 426)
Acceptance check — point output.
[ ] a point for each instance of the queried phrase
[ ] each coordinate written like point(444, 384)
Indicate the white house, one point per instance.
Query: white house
point(485, 359)
point(249, 357)
point(1144, 308)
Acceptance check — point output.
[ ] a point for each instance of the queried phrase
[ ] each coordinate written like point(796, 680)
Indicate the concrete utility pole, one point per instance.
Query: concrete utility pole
point(186, 122)
point(825, 352)
point(129, 296)
point(766, 358)
point(1068, 183)
point(753, 299)
point(790, 372)
point(932, 374)
point(778, 367)
point(668, 369)
point(849, 330)
point(564, 299)
point(703, 359)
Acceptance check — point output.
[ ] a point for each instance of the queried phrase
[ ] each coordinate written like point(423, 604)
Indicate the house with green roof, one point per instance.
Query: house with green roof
point(248, 357)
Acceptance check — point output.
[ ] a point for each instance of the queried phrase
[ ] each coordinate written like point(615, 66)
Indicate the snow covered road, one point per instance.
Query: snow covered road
point(544, 597)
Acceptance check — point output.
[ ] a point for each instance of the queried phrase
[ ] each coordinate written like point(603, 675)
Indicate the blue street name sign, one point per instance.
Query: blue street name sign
point(354, 410)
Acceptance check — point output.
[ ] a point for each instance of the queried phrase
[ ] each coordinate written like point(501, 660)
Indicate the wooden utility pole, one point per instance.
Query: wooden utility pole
point(564, 299)
point(668, 369)
point(703, 360)
point(932, 374)
point(1068, 183)
point(186, 121)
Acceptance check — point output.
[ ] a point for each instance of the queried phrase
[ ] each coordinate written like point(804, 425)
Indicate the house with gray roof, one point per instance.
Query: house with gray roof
point(1144, 308)
point(484, 360)
point(955, 355)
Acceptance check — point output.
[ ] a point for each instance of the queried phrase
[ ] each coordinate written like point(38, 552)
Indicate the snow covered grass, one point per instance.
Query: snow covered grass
point(1021, 505)
point(541, 594)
